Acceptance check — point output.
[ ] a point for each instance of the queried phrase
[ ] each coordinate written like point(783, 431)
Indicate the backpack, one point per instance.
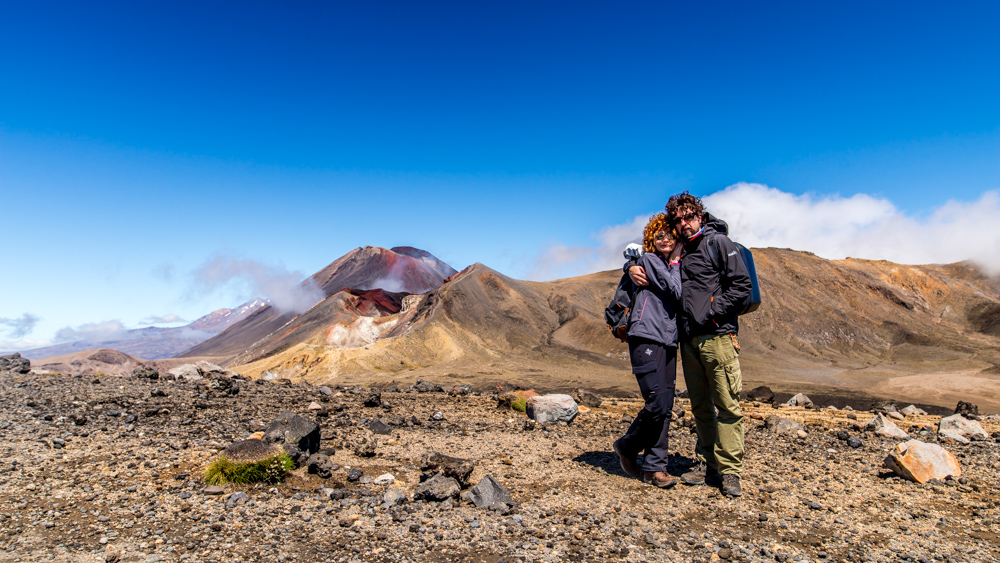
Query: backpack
point(753, 300)
point(616, 314)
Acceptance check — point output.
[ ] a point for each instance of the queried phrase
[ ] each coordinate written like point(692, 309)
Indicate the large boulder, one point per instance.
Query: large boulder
point(958, 427)
point(298, 435)
point(145, 372)
point(434, 463)
point(885, 428)
point(919, 461)
point(552, 408)
point(187, 372)
point(15, 363)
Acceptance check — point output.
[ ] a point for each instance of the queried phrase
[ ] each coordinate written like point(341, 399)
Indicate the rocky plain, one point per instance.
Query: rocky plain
point(110, 468)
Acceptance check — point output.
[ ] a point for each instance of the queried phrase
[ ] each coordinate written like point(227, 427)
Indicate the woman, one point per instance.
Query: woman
point(652, 344)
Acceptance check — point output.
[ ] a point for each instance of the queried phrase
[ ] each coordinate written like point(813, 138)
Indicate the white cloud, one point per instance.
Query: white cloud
point(169, 318)
point(285, 290)
point(93, 332)
point(861, 226)
point(834, 227)
point(17, 328)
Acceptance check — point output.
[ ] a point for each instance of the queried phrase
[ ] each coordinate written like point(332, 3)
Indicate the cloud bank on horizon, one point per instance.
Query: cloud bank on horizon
point(833, 227)
point(287, 291)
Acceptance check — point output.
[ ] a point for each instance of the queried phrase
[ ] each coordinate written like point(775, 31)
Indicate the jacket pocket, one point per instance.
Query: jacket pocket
point(644, 359)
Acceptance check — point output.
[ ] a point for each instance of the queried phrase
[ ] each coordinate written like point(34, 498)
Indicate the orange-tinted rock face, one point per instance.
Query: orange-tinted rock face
point(919, 461)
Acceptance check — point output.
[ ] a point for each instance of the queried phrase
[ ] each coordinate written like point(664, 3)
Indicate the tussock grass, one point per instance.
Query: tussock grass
point(269, 470)
point(520, 404)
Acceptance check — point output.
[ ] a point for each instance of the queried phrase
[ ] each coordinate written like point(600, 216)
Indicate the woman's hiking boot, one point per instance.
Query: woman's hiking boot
point(659, 479)
point(627, 463)
point(731, 485)
point(701, 474)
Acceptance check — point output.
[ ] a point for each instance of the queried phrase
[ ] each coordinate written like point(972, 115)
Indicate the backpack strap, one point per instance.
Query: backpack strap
point(713, 252)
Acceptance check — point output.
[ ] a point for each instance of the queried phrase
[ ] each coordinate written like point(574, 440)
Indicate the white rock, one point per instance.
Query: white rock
point(799, 400)
point(957, 424)
point(385, 479)
point(885, 427)
point(189, 372)
point(912, 410)
point(552, 408)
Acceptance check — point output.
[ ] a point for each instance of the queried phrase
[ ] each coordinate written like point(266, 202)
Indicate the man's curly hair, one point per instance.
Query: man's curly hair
point(657, 223)
point(683, 199)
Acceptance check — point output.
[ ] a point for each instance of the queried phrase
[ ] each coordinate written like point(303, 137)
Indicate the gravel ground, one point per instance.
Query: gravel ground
point(109, 468)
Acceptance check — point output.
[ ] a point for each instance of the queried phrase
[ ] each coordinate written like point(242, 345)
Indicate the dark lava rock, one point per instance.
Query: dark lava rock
point(157, 392)
point(762, 394)
point(422, 386)
point(290, 429)
point(379, 426)
point(854, 442)
point(682, 394)
point(365, 447)
point(354, 474)
point(586, 397)
point(968, 410)
point(460, 390)
point(437, 488)
point(433, 463)
point(843, 435)
point(15, 363)
point(325, 391)
point(373, 399)
point(320, 465)
point(145, 372)
point(488, 493)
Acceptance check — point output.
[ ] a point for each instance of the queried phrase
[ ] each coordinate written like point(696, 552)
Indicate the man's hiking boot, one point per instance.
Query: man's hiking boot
point(659, 479)
point(627, 463)
point(701, 474)
point(731, 485)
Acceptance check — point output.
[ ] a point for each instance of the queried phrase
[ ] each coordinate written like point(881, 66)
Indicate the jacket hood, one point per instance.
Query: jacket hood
point(714, 224)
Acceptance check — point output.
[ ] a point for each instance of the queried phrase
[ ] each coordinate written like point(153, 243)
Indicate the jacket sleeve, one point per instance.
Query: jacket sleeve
point(664, 280)
point(629, 263)
point(735, 281)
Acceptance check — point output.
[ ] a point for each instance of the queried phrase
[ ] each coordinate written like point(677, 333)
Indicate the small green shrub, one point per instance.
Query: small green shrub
point(519, 404)
point(269, 470)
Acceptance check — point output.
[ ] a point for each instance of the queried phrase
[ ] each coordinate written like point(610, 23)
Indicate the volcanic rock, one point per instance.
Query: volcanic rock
point(433, 463)
point(365, 447)
point(298, 435)
point(488, 493)
point(761, 394)
point(968, 410)
point(799, 400)
point(422, 386)
point(15, 363)
point(320, 465)
point(919, 461)
point(250, 450)
point(145, 372)
point(437, 488)
point(912, 410)
point(885, 427)
point(957, 426)
point(783, 426)
point(586, 397)
point(552, 408)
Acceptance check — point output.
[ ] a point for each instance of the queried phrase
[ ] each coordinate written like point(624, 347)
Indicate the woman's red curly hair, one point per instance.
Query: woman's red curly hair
point(657, 223)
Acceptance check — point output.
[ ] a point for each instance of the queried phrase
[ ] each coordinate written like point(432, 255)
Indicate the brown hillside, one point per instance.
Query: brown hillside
point(918, 333)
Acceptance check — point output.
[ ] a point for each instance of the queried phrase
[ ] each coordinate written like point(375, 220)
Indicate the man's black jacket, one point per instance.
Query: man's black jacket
point(711, 291)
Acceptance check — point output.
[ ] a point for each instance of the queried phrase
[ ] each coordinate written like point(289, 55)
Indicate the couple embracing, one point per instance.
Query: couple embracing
point(691, 282)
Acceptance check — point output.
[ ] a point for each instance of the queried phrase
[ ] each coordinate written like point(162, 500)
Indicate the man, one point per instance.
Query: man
point(714, 284)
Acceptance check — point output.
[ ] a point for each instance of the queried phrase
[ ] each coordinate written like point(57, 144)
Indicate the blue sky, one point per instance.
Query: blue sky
point(139, 141)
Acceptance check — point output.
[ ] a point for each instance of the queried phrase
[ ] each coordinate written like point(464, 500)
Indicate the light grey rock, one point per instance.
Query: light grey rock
point(187, 372)
point(799, 400)
point(886, 428)
point(552, 408)
point(394, 496)
point(957, 424)
point(913, 410)
point(783, 426)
